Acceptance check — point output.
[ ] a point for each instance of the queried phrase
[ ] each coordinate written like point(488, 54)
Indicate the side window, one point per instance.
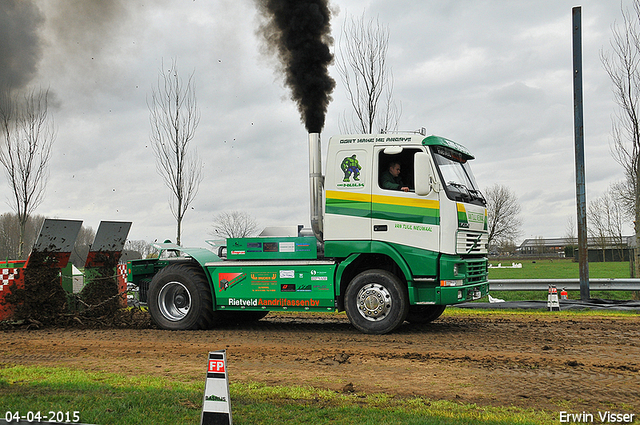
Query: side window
point(396, 171)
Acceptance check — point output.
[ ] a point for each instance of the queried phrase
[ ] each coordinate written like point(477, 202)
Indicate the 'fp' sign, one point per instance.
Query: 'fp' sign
point(216, 366)
point(216, 406)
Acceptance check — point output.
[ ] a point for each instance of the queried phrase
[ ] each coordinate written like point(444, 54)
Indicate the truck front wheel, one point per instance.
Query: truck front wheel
point(376, 302)
point(179, 298)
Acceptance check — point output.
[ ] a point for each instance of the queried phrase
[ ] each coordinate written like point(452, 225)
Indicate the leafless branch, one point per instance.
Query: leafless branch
point(362, 65)
point(174, 117)
point(234, 224)
point(622, 65)
point(606, 222)
point(28, 136)
point(502, 214)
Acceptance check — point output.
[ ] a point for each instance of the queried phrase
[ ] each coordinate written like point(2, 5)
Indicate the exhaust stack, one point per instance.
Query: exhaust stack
point(316, 185)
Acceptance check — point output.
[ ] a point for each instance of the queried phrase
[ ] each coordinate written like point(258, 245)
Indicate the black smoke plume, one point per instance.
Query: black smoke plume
point(298, 32)
point(20, 45)
point(76, 30)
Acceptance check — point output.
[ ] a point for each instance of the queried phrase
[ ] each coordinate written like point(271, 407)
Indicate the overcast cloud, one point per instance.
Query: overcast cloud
point(494, 76)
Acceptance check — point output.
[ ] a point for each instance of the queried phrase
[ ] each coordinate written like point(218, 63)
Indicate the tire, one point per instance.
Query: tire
point(143, 290)
point(421, 314)
point(180, 298)
point(376, 302)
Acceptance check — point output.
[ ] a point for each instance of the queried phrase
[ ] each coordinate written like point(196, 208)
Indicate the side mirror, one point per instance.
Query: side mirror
point(426, 178)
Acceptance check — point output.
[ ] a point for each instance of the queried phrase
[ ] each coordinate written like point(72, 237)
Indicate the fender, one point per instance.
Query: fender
point(388, 250)
point(204, 256)
point(201, 255)
point(376, 248)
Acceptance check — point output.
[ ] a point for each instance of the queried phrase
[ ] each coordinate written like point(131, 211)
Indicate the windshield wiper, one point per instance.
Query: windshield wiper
point(478, 195)
point(462, 189)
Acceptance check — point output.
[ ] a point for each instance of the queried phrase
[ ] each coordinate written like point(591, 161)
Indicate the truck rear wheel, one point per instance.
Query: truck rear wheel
point(421, 314)
point(376, 302)
point(179, 298)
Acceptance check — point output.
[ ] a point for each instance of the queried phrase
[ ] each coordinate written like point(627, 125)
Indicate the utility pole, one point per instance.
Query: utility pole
point(581, 196)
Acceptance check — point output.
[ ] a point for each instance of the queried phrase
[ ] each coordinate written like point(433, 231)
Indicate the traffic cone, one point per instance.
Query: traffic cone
point(564, 295)
point(552, 299)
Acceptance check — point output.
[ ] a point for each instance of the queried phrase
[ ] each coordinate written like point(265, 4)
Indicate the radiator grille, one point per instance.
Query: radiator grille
point(476, 270)
point(472, 242)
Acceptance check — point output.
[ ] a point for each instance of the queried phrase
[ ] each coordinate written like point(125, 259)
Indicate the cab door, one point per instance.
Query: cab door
point(406, 221)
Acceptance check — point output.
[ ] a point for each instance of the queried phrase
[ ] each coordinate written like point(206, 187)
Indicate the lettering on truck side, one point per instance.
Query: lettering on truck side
point(475, 217)
point(414, 227)
point(279, 302)
point(378, 139)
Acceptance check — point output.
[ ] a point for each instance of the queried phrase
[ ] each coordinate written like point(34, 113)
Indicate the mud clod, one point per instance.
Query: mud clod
point(42, 300)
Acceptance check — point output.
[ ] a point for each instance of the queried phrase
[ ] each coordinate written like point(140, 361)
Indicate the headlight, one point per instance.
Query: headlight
point(451, 282)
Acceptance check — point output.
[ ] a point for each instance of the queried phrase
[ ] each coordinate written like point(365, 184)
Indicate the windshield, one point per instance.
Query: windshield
point(460, 184)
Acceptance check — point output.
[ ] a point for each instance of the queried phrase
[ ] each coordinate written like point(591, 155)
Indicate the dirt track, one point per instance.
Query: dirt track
point(544, 362)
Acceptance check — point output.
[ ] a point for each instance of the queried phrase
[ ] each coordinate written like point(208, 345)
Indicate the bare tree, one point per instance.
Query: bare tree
point(606, 223)
point(570, 237)
point(598, 229)
point(570, 232)
point(622, 64)
point(502, 213)
point(234, 224)
point(174, 117)
point(28, 135)
point(142, 247)
point(622, 191)
point(362, 65)
point(85, 238)
point(10, 234)
point(506, 247)
point(539, 245)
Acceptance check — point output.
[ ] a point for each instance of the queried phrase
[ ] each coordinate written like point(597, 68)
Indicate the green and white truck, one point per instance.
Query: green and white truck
point(382, 255)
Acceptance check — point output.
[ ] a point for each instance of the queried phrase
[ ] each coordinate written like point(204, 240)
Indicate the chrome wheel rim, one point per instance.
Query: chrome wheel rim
point(174, 301)
point(374, 302)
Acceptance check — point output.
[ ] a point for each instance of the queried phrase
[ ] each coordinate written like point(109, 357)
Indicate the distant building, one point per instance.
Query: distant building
point(612, 249)
point(539, 246)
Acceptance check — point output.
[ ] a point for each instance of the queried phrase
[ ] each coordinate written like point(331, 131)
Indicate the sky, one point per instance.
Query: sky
point(495, 76)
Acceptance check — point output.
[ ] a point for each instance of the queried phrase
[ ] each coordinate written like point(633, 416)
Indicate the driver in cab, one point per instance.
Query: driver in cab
point(391, 178)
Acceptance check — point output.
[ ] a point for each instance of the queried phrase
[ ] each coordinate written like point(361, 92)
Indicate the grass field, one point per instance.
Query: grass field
point(106, 398)
point(109, 398)
point(558, 269)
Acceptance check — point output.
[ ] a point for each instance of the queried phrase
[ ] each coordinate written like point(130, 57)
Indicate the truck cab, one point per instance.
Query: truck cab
point(432, 234)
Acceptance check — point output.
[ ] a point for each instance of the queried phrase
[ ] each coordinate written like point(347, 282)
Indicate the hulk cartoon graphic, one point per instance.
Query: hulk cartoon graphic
point(350, 165)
